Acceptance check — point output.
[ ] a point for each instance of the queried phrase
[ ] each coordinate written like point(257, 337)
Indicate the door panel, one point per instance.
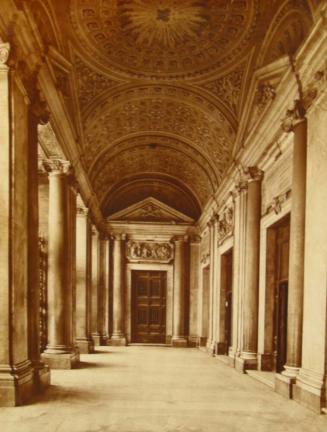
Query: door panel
point(148, 307)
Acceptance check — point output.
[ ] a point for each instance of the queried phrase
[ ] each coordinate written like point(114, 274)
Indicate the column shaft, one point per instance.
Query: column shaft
point(296, 261)
point(118, 332)
point(95, 288)
point(16, 377)
point(179, 339)
point(83, 272)
point(60, 352)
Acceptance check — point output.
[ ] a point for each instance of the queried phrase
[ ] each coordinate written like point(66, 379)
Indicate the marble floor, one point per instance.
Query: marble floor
point(158, 389)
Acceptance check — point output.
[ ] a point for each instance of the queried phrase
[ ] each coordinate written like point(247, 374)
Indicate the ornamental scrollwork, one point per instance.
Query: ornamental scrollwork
point(149, 251)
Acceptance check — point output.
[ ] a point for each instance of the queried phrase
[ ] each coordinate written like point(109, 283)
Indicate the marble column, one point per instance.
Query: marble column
point(194, 289)
point(84, 340)
point(16, 372)
point(37, 113)
point(61, 352)
point(179, 338)
point(250, 297)
point(118, 331)
point(211, 342)
point(240, 209)
point(96, 336)
point(102, 286)
point(106, 291)
point(295, 122)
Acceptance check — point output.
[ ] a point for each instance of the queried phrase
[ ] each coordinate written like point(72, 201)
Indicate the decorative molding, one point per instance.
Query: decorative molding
point(276, 205)
point(293, 116)
point(82, 210)
point(148, 251)
point(252, 173)
point(151, 209)
point(265, 94)
point(225, 226)
point(57, 166)
point(205, 258)
point(4, 53)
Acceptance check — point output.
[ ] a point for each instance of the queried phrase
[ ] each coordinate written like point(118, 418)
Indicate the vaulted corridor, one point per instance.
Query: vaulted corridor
point(157, 389)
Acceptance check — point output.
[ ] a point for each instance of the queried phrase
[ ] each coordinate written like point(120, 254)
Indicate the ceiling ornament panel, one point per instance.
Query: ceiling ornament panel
point(165, 39)
point(142, 160)
point(211, 132)
point(90, 83)
point(228, 88)
point(151, 142)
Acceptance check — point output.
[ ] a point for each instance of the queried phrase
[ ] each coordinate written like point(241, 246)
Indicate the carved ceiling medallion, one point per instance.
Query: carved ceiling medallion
point(165, 38)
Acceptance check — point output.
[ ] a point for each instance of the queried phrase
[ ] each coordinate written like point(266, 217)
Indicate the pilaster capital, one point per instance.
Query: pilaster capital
point(240, 186)
point(180, 238)
point(4, 54)
point(195, 239)
point(253, 173)
point(293, 116)
point(56, 166)
point(103, 236)
point(81, 210)
point(119, 236)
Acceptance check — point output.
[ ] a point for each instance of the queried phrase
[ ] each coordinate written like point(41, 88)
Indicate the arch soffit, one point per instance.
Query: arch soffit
point(165, 160)
point(151, 139)
point(286, 10)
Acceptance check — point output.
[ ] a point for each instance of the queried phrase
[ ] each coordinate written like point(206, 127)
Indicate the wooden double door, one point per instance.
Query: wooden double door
point(149, 306)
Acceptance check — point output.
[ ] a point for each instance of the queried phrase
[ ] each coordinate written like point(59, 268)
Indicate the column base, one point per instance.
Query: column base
point(231, 358)
point(85, 346)
point(117, 340)
point(96, 338)
point(202, 341)
point(309, 390)
point(41, 376)
point(60, 360)
point(246, 361)
point(192, 341)
point(179, 342)
point(284, 385)
point(16, 384)
point(211, 346)
point(221, 348)
point(266, 362)
point(104, 340)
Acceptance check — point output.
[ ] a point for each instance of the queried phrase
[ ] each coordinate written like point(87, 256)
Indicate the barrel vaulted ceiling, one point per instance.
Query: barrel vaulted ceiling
point(157, 89)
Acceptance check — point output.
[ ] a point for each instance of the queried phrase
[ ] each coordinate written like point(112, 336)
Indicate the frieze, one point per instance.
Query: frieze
point(137, 251)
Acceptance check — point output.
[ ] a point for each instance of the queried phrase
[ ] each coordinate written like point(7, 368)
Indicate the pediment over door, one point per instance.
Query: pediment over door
point(150, 210)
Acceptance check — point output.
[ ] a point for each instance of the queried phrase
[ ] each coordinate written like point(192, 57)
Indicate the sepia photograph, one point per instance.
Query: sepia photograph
point(163, 215)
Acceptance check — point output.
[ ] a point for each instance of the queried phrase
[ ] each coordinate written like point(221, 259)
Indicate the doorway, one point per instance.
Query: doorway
point(281, 293)
point(205, 306)
point(149, 306)
point(227, 299)
point(277, 291)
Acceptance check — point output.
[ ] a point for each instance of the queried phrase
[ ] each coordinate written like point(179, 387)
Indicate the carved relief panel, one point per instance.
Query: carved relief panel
point(148, 251)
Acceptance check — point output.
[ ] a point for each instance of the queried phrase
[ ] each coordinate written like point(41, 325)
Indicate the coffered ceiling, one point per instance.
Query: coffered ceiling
point(157, 88)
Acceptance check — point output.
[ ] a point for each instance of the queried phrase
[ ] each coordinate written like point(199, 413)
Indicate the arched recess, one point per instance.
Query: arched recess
point(164, 188)
point(289, 27)
point(153, 158)
point(159, 109)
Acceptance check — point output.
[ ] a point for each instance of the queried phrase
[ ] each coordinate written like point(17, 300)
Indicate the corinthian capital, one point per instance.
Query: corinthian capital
point(57, 166)
point(4, 53)
point(253, 173)
point(293, 116)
